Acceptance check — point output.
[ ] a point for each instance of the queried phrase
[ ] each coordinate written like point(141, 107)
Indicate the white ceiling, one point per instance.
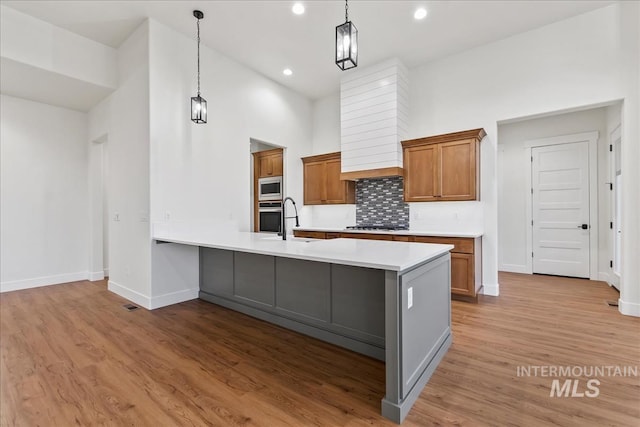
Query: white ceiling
point(268, 37)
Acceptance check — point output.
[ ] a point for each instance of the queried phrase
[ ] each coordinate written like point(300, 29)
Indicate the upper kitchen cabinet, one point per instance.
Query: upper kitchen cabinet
point(443, 167)
point(322, 184)
point(270, 163)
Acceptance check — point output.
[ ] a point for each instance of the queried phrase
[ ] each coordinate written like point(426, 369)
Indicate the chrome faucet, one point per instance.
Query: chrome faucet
point(283, 228)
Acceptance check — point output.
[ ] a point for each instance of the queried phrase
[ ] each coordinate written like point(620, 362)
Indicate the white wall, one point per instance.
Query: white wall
point(122, 120)
point(513, 190)
point(202, 172)
point(325, 136)
point(44, 194)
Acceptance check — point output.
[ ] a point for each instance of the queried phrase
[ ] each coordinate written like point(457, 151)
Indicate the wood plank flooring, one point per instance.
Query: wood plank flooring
point(71, 355)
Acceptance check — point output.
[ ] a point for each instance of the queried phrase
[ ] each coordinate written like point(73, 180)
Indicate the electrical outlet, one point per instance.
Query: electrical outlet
point(167, 216)
point(409, 298)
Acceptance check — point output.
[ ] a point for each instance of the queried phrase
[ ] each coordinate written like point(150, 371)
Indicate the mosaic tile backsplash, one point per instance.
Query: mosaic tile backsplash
point(380, 201)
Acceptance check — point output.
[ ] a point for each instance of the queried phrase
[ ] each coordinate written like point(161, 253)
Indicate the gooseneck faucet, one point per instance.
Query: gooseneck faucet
point(283, 228)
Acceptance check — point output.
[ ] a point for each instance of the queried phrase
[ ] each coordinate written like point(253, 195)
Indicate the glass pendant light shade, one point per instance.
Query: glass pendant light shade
point(198, 109)
point(346, 46)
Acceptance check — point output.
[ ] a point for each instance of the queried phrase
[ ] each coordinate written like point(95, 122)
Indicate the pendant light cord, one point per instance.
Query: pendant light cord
point(198, 24)
point(346, 11)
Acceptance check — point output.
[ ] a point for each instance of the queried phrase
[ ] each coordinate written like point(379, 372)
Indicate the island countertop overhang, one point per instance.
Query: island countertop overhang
point(384, 255)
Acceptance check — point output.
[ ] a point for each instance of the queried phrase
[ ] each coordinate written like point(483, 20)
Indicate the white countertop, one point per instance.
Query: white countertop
point(439, 233)
point(384, 255)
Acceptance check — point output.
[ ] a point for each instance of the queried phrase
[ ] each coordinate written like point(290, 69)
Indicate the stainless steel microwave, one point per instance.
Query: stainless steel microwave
point(270, 188)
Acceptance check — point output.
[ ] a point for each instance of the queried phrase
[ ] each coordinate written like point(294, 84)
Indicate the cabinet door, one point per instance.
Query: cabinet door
point(335, 191)
point(276, 164)
point(314, 183)
point(266, 167)
point(421, 181)
point(271, 165)
point(462, 282)
point(457, 170)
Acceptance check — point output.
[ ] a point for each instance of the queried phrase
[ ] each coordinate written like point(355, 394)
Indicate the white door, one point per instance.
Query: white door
point(560, 202)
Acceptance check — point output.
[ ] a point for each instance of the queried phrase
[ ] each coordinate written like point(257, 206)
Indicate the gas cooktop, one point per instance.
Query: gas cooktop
point(384, 227)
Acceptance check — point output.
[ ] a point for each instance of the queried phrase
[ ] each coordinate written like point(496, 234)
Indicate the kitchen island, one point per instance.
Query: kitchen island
point(388, 300)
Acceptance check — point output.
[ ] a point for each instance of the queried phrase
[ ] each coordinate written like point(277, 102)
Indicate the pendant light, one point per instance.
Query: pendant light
point(198, 103)
point(346, 42)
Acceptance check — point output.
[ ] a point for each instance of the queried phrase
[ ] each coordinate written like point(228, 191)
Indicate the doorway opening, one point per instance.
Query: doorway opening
point(99, 201)
point(268, 184)
point(555, 206)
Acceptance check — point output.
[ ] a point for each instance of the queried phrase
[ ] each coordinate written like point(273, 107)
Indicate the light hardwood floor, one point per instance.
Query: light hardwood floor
point(70, 354)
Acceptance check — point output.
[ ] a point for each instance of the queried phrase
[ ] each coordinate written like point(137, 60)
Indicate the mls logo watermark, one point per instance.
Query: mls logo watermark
point(571, 388)
point(576, 381)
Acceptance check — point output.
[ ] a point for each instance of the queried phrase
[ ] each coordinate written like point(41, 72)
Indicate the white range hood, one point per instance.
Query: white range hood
point(374, 116)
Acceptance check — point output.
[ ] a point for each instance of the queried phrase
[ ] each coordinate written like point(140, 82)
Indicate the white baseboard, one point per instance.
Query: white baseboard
point(174, 298)
point(131, 295)
point(514, 268)
point(36, 282)
point(629, 308)
point(604, 277)
point(490, 290)
point(96, 275)
point(155, 302)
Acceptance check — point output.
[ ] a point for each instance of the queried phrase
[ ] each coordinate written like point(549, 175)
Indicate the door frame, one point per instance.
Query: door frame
point(614, 279)
point(592, 139)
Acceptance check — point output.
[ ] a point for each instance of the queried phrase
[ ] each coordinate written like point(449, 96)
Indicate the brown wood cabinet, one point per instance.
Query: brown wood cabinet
point(466, 256)
point(265, 164)
point(322, 184)
point(269, 162)
point(443, 167)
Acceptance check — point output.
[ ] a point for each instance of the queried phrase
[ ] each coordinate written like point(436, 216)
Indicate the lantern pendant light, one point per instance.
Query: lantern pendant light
point(198, 103)
point(346, 42)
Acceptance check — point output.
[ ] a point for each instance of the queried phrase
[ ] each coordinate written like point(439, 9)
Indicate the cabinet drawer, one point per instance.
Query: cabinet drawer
point(461, 244)
point(403, 238)
point(310, 234)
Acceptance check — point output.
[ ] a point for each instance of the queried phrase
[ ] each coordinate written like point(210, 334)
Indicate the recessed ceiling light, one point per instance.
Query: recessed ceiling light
point(287, 71)
point(420, 13)
point(298, 8)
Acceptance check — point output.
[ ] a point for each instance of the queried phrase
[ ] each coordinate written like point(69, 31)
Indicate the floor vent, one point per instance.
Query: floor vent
point(611, 303)
point(130, 307)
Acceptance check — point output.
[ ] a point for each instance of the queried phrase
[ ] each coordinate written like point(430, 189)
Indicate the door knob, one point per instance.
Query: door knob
point(584, 226)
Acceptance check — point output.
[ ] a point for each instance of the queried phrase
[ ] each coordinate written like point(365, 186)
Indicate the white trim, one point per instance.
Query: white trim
point(174, 298)
point(106, 272)
point(36, 282)
point(603, 276)
point(129, 294)
point(628, 308)
point(153, 302)
point(513, 268)
point(96, 275)
point(490, 290)
point(615, 135)
point(592, 139)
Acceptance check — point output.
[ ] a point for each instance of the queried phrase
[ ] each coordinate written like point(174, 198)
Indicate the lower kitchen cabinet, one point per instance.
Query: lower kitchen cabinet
point(466, 256)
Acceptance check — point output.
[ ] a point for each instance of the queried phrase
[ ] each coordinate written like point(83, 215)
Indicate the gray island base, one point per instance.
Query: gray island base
point(400, 317)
